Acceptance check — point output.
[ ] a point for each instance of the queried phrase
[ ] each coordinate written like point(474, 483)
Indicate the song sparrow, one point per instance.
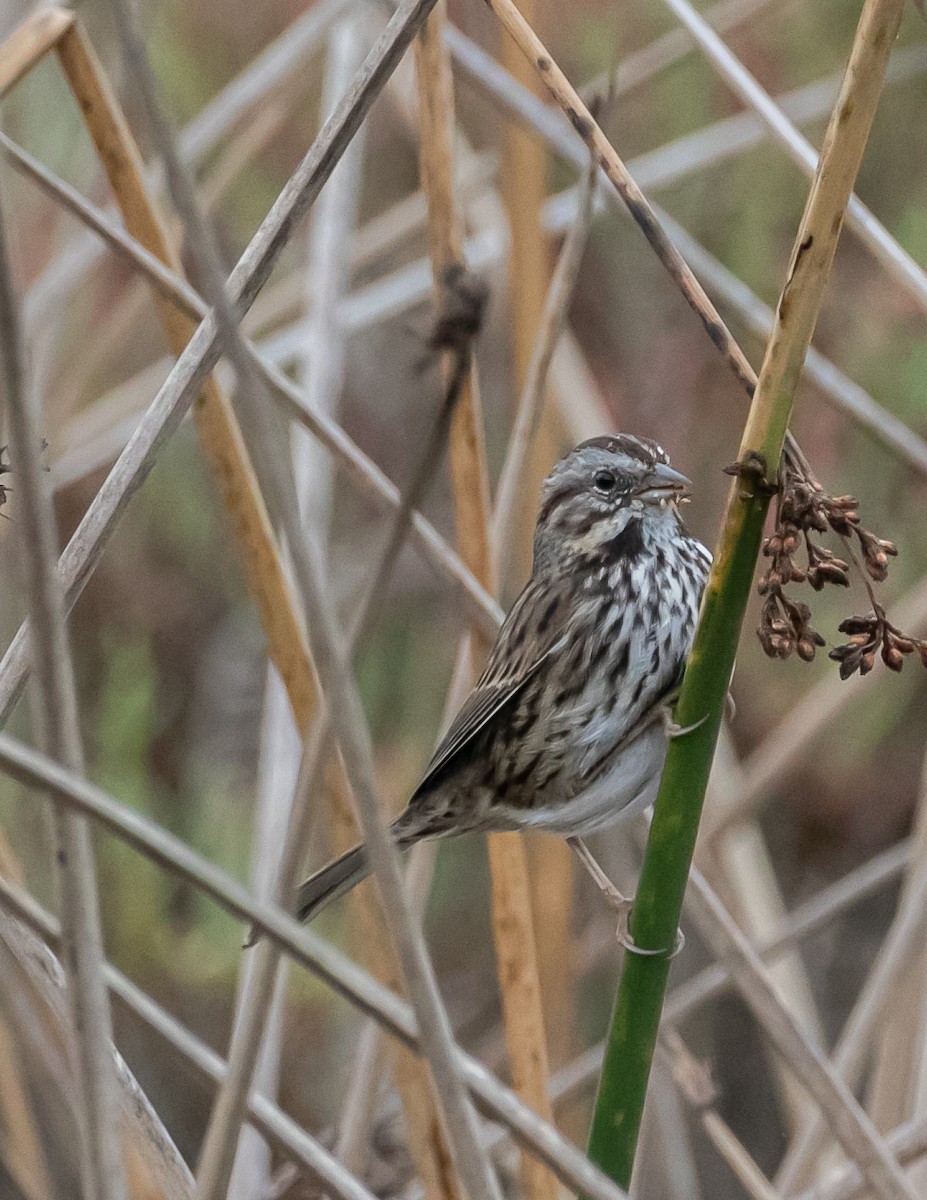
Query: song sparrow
point(564, 730)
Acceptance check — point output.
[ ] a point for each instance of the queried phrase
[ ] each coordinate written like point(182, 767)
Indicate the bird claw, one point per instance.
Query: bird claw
point(621, 903)
point(627, 942)
point(675, 731)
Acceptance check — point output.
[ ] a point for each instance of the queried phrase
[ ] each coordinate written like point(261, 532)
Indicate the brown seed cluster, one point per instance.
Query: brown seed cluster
point(803, 511)
point(869, 636)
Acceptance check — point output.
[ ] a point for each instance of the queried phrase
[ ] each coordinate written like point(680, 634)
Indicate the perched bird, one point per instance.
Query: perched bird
point(566, 728)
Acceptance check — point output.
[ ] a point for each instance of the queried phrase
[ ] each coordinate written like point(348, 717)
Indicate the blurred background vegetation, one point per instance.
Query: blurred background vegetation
point(169, 650)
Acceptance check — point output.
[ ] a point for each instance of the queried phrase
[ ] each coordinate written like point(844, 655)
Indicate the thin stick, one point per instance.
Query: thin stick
point(504, 90)
point(530, 405)
point(873, 417)
point(694, 1083)
point(567, 98)
point(896, 958)
point(857, 1135)
point(331, 222)
point(655, 917)
point(469, 478)
point(279, 1129)
point(272, 68)
point(220, 435)
point(174, 397)
point(102, 1166)
point(322, 959)
point(30, 42)
point(668, 49)
point(342, 700)
point(897, 262)
point(513, 927)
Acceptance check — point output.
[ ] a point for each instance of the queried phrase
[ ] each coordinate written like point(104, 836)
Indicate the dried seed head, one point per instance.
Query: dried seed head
point(892, 657)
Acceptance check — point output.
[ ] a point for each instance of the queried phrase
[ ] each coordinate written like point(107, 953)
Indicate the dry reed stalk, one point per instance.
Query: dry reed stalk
point(899, 264)
point(667, 1137)
point(582, 121)
point(323, 960)
point(102, 1167)
point(504, 91)
point(739, 867)
point(29, 42)
point(35, 1010)
point(891, 970)
point(331, 225)
point(369, 478)
point(167, 1177)
point(217, 425)
point(344, 710)
point(856, 1134)
point(512, 920)
point(895, 1089)
point(668, 49)
point(694, 1082)
point(273, 67)
point(523, 178)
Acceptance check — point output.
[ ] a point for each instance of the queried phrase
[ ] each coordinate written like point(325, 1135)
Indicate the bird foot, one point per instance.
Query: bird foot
point(673, 730)
point(621, 903)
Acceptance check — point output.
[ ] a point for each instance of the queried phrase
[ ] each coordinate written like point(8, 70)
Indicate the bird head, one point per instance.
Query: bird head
point(606, 495)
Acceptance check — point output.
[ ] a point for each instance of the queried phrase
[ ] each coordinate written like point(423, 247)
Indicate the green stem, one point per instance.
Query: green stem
point(655, 918)
point(678, 807)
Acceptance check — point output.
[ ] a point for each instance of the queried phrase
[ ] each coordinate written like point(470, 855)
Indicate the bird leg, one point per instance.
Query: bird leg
point(618, 901)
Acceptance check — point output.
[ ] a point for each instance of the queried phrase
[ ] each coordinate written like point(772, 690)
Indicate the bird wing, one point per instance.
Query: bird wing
point(530, 634)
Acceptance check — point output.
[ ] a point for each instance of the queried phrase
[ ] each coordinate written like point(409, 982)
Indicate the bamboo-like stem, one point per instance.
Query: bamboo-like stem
point(327, 963)
point(218, 428)
point(512, 921)
point(655, 916)
point(808, 918)
point(102, 1166)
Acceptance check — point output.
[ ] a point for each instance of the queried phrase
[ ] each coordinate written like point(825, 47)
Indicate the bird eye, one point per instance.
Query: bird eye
point(604, 482)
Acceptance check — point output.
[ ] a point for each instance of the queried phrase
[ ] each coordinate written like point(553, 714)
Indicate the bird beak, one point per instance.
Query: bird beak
point(662, 483)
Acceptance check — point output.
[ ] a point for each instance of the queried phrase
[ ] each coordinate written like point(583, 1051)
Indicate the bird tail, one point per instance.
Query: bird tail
point(332, 881)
